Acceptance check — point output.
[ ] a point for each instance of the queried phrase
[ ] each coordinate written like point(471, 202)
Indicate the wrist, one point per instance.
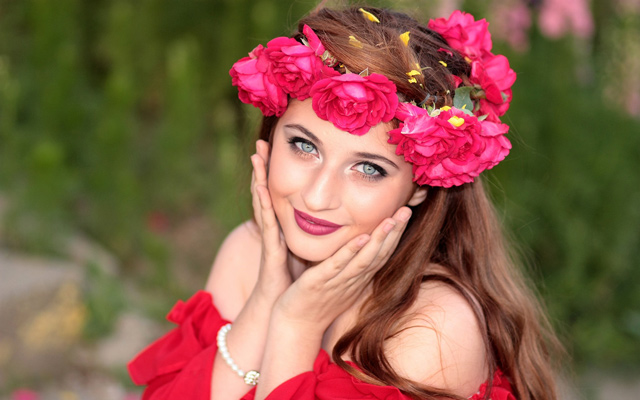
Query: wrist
point(265, 294)
point(309, 329)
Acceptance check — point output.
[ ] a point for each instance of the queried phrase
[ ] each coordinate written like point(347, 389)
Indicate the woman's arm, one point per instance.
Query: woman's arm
point(262, 246)
point(322, 293)
point(233, 276)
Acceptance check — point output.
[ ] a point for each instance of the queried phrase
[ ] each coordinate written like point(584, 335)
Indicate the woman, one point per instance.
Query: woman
point(374, 266)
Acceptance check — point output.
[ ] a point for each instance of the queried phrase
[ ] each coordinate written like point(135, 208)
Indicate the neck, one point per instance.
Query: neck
point(298, 265)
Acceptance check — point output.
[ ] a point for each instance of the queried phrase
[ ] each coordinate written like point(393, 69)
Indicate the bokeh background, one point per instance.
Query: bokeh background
point(124, 163)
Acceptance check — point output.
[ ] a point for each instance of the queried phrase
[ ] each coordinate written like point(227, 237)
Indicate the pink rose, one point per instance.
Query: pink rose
point(355, 103)
point(450, 148)
point(495, 77)
point(252, 77)
point(406, 110)
point(464, 34)
point(296, 67)
point(314, 42)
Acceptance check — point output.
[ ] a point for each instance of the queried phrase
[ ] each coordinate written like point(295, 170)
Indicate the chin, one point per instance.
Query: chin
point(307, 250)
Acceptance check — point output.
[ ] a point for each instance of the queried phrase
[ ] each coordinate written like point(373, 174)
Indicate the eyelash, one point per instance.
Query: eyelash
point(293, 142)
point(296, 140)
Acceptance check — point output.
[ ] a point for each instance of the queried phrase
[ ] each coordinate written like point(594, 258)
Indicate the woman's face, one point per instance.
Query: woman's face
point(329, 186)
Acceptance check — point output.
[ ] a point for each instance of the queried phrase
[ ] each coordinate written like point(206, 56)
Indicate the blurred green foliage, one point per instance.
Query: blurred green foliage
point(118, 115)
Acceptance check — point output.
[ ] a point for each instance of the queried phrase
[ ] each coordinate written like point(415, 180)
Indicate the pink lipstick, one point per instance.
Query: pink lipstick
point(314, 226)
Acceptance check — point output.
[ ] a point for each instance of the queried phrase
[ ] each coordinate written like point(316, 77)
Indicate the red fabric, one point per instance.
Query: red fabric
point(501, 389)
point(179, 366)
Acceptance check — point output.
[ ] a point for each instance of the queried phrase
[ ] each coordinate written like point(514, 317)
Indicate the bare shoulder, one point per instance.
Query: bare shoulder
point(441, 344)
point(235, 269)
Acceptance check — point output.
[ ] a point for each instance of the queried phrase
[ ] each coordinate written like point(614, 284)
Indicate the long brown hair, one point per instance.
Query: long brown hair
point(455, 228)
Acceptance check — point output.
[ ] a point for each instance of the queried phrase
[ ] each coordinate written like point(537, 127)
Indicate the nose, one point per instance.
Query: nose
point(322, 190)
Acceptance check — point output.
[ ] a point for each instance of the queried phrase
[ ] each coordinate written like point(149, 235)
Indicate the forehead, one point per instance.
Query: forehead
point(301, 113)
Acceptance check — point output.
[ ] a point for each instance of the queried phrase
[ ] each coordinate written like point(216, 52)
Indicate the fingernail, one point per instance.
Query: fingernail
point(404, 215)
point(388, 226)
point(363, 240)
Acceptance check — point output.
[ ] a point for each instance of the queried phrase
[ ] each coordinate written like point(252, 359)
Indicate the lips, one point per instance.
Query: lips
point(314, 226)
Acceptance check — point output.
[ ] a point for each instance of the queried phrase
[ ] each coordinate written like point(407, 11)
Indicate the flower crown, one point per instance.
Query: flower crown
point(447, 146)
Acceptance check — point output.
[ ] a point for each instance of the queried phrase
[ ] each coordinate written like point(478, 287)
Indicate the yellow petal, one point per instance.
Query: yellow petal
point(355, 42)
point(413, 72)
point(456, 121)
point(418, 67)
point(467, 59)
point(443, 63)
point(405, 38)
point(413, 80)
point(370, 16)
point(445, 108)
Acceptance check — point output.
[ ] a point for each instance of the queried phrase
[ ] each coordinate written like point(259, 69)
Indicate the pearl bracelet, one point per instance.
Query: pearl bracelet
point(251, 377)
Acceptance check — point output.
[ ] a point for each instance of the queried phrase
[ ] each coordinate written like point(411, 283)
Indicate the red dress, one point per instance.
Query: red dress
point(179, 366)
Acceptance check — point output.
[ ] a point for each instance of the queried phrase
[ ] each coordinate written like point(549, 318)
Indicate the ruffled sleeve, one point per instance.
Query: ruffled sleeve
point(327, 381)
point(500, 390)
point(179, 365)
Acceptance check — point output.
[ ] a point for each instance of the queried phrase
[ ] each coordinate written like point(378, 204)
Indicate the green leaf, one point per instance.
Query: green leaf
point(462, 99)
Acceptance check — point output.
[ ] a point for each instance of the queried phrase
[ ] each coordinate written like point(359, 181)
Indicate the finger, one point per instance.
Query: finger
point(255, 200)
point(364, 260)
point(270, 228)
point(260, 168)
point(390, 243)
point(263, 150)
point(341, 258)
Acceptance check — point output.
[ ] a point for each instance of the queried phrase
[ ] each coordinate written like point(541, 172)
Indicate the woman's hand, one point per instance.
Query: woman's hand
point(325, 291)
point(274, 276)
point(246, 340)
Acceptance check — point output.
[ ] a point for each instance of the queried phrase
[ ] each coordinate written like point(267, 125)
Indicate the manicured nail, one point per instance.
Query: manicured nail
point(363, 240)
point(388, 226)
point(404, 215)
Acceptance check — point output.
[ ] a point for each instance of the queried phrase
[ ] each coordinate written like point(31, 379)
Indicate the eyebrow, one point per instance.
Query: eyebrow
point(371, 156)
point(378, 157)
point(305, 131)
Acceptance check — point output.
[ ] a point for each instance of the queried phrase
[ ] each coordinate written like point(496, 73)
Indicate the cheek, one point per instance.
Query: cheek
point(283, 176)
point(369, 208)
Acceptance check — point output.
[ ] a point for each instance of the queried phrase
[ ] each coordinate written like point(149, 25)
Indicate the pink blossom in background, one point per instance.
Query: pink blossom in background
point(633, 103)
point(510, 22)
point(24, 394)
point(559, 17)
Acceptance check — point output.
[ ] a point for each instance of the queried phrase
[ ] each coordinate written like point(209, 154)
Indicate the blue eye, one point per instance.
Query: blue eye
point(369, 169)
point(302, 146)
point(306, 147)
